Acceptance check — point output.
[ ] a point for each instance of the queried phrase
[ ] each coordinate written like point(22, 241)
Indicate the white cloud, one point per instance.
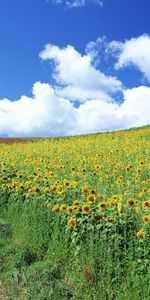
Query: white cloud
point(77, 77)
point(135, 51)
point(101, 115)
point(51, 110)
point(136, 105)
point(43, 115)
point(97, 50)
point(76, 3)
point(46, 114)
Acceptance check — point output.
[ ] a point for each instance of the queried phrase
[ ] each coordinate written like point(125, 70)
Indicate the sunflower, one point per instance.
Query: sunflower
point(66, 183)
point(75, 207)
point(112, 202)
point(96, 167)
point(55, 208)
point(102, 205)
point(46, 190)
point(85, 209)
point(146, 219)
point(21, 186)
point(93, 192)
point(140, 235)
point(91, 198)
point(70, 210)
point(146, 204)
point(60, 190)
point(36, 189)
point(72, 223)
point(85, 189)
point(97, 218)
point(131, 202)
point(128, 167)
point(76, 202)
point(63, 207)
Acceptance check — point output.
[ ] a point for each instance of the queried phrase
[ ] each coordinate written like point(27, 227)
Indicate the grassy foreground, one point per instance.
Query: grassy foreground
point(75, 217)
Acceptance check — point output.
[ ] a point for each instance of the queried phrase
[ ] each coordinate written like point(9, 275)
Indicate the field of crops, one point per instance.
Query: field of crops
point(75, 217)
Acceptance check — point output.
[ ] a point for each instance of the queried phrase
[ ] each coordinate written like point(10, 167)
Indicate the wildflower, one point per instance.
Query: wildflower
point(112, 202)
point(96, 167)
point(76, 202)
point(131, 202)
point(63, 207)
point(146, 204)
point(92, 192)
point(146, 219)
point(21, 186)
point(85, 209)
point(46, 190)
point(4, 186)
point(36, 189)
point(102, 205)
point(85, 189)
point(59, 190)
point(91, 198)
point(128, 167)
point(72, 223)
point(97, 218)
point(70, 210)
point(140, 235)
point(75, 207)
point(66, 183)
point(55, 208)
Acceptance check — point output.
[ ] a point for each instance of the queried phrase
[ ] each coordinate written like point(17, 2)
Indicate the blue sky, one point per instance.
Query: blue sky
point(108, 27)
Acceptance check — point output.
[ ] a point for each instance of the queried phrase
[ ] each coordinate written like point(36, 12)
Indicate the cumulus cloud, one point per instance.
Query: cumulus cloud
point(76, 3)
point(42, 115)
point(133, 52)
point(76, 77)
point(52, 110)
point(46, 114)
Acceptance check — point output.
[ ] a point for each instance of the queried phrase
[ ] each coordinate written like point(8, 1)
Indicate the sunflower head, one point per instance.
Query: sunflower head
point(46, 190)
point(102, 205)
point(55, 208)
point(70, 210)
point(146, 204)
point(36, 189)
point(72, 223)
point(131, 202)
point(140, 235)
point(91, 198)
point(63, 207)
point(146, 219)
point(85, 209)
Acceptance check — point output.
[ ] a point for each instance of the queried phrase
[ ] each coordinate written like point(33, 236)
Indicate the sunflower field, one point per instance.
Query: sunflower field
point(75, 216)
